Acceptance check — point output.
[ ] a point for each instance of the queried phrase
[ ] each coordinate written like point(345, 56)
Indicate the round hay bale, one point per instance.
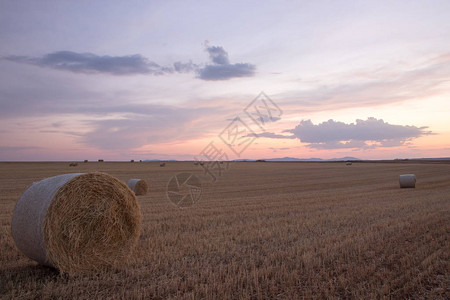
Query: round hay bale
point(132, 160)
point(138, 186)
point(349, 163)
point(163, 164)
point(78, 223)
point(86, 161)
point(407, 181)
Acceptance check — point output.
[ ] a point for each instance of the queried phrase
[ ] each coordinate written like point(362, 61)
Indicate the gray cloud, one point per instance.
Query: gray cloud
point(370, 133)
point(218, 55)
point(89, 63)
point(275, 136)
point(181, 67)
point(221, 69)
point(225, 72)
point(276, 149)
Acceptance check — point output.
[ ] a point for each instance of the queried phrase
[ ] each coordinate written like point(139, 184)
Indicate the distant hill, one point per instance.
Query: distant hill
point(311, 159)
point(302, 159)
point(434, 158)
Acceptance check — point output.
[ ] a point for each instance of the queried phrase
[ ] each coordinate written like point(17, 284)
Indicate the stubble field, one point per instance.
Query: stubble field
point(263, 230)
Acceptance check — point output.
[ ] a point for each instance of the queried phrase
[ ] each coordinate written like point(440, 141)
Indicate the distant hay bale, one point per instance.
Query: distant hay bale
point(202, 163)
point(86, 161)
point(132, 160)
point(196, 163)
point(163, 164)
point(78, 223)
point(407, 181)
point(74, 164)
point(100, 160)
point(138, 186)
point(349, 163)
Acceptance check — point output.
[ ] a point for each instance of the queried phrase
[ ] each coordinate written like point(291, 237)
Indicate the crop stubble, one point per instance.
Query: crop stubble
point(264, 230)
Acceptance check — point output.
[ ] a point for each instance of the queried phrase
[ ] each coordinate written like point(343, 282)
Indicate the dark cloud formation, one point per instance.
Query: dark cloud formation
point(370, 133)
point(221, 69)
point(89, 63)
point(218, 55)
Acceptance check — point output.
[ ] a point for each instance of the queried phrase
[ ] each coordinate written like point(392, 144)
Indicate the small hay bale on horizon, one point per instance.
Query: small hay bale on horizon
point(348, 163)
point(162, 164)
point(132, 160)
point(138, 186)
point(100, 160)
point(86, 161)
point(73, 164)
point(79, 223)
point(407, 181)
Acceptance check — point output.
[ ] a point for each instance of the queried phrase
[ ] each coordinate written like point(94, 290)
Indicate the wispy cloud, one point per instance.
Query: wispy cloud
point(133, 126)
point(272, 135)
point(382, 86)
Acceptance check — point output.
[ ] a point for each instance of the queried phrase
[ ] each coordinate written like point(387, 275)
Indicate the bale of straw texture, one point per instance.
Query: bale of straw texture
point(138, 186)
point(78, 223)
point(407, 181)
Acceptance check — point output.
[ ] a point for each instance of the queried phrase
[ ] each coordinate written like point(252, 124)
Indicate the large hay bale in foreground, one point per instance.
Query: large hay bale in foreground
point(407, 181)
point(138, 186)
point(78, 223)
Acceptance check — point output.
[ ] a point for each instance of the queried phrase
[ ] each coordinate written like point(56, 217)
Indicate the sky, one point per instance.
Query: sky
point(208, 80)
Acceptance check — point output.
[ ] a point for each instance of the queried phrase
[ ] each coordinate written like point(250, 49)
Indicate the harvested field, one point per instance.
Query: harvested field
point(263, 230)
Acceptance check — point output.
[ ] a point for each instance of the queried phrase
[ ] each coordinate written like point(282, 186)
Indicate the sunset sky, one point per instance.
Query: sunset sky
point(122, 80)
